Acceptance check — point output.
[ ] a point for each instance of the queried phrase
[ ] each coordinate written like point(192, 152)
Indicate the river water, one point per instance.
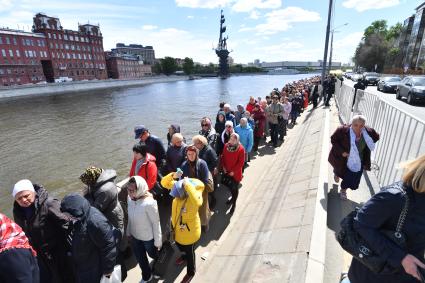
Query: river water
point(52, 139)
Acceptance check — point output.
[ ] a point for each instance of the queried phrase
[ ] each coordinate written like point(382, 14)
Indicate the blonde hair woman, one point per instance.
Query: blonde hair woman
point(382, 212)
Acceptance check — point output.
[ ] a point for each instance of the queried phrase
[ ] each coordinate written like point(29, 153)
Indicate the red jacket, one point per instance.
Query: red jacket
point(148, 167)
point(260, 122)
point(233, 161)
point(250, 107)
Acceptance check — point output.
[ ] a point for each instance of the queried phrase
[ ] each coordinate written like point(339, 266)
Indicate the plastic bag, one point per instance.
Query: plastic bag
point(115, 276)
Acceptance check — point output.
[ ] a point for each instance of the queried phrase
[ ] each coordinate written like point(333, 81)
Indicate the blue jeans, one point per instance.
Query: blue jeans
point(140, 248)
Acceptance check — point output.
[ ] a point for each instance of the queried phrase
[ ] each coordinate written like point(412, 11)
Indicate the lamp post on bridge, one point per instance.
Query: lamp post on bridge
point(332, 41)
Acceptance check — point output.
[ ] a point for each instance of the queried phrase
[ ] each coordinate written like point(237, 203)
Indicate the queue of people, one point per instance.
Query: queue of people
point(168, 196)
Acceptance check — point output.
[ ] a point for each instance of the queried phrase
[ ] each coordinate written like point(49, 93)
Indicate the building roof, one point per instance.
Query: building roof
point(420, 6)
point(20, 32)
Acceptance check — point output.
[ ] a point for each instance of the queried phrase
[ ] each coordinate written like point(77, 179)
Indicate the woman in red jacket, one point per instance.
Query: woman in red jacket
point(231, 163)
point(144, 165)
point(260, 120)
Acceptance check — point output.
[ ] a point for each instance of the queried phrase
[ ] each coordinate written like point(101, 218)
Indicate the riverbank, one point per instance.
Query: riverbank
point(78, 86)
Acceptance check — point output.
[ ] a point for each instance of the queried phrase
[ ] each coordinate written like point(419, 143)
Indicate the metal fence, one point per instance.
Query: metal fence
point(402, 135)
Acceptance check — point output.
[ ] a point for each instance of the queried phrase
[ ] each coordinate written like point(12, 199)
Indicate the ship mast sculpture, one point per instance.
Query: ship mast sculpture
point(221, 50)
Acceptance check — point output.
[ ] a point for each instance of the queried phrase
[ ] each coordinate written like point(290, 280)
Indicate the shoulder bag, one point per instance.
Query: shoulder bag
point(352, 242)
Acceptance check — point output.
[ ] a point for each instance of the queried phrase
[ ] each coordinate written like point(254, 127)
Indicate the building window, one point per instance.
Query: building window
point(66, 46)
point(78, 47)
point(84, 56)
point(51, 45)
point(60, 37)
point(68, 55)
point(7, 40)
point(73, 56)
point(10, 52)
point(76, 38)
point(53, 55)
point(28, 42)
point(49, 35)
point(71, 37)
point(3, 52)
point(14, 41)
point(54, 35)
point(57, 46)
point(65, 36)
point(61, 46)
point(72, 47)
point(17, 53)
point(1, 40)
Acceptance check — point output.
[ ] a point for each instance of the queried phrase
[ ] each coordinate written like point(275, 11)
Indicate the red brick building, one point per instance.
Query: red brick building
point(75, 54)
point(126, 66)
point(22, 57)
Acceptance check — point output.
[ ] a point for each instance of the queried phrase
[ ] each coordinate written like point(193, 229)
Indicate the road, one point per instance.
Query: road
point(417, 110)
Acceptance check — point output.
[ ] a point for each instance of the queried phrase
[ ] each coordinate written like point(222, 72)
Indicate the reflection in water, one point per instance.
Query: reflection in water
point(51, 139)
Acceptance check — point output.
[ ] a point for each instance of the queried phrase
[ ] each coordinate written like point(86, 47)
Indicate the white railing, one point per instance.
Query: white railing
point(402, 135)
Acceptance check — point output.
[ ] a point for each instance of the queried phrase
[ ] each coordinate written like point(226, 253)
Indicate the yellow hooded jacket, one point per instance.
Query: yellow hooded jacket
point(190, 230)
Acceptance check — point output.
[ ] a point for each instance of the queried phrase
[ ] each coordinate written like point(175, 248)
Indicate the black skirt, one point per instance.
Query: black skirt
point(351, 180)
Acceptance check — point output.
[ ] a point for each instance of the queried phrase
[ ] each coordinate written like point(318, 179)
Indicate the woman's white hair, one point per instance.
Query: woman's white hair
point(360, 118)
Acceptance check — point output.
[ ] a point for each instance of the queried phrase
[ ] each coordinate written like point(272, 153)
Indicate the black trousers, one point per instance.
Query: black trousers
point(18, 266)
point(188, 254)
point(328, 98)
point(256, 142)
point(282, 128)
point(315, 102)
point(274, 132)
point(234, 191)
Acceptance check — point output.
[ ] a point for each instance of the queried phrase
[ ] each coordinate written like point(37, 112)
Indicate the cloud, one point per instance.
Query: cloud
point(254, 15)
point(237, 5)
point(190, 17)
point(364, 5)
point(149, 27)
point(344, 48)
point(5, 5)
point(281, 20)
point(209, 4)
point(249, 5)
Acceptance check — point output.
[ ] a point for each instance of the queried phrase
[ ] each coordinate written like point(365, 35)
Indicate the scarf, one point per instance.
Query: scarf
point(354, 162)
point(232, 148)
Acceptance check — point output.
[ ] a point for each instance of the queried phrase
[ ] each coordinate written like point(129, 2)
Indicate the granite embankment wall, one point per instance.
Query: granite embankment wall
point(70, 87)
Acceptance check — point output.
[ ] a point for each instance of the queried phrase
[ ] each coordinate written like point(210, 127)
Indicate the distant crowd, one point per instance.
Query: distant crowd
point(167, 198)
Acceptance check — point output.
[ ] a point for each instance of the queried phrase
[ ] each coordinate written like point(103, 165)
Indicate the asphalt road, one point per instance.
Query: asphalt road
point(417, 110)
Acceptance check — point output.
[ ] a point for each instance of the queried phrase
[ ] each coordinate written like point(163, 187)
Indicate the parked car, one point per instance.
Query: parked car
point(371, 78)
point(413, 88)
point(348, 75)
point(63, 80)
point(356, 77)
point(388, 84)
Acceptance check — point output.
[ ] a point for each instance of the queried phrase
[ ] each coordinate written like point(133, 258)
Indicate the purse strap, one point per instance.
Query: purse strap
point(181, 209)
point(403, 215)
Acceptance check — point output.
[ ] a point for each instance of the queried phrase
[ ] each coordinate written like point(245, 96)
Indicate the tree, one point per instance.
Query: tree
point(156, 68)
point(377, 47)
point(168, 65)
point(188, 66)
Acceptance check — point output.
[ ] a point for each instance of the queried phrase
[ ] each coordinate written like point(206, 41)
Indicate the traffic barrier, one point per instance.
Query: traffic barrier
point(402, 135)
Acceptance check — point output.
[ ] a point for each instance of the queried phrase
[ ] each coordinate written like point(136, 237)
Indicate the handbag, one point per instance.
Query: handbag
point(226, 180)
point(352, 242)
point(158, 192)
point(209, 186)
point(164, 255)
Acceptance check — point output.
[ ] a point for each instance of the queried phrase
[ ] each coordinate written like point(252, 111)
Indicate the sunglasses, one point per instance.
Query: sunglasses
point(204, 125)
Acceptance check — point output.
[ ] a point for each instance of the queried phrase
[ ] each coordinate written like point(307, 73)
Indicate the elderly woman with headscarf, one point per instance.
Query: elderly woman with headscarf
point(228, 130)
point(94, 243)
point(185, 220)
point(46, 228)
point(194, 167)
point(102, 193)
point(143, 225)
point(231, 163)
point(350, 153)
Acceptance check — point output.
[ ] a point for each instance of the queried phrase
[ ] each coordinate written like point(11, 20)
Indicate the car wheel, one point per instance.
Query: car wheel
point(409, 99)
point(397, 94)
point(377, 88)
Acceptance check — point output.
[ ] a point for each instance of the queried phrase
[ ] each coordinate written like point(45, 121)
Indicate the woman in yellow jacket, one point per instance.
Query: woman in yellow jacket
point(185, 219)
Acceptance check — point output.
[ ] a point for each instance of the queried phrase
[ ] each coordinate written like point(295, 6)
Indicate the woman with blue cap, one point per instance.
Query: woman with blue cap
point(186, 224)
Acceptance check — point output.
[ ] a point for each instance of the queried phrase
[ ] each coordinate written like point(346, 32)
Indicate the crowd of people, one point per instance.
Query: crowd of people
point(168, 196)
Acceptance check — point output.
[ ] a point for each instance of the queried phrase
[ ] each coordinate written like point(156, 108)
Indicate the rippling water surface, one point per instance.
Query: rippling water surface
point(51, 139)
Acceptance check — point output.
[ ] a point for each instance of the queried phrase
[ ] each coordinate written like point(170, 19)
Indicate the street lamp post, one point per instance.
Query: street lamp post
point(332, 41)
point(325, 54)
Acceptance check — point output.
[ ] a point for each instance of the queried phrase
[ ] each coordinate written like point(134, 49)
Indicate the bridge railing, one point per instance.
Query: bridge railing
point(402, 135)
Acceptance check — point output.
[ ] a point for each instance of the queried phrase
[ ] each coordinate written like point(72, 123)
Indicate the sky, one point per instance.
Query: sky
point(268, 30)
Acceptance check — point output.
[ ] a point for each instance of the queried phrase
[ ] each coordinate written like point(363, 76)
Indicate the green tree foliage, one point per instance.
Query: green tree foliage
point(169, 65)
point(188, 66)
point(377, 46)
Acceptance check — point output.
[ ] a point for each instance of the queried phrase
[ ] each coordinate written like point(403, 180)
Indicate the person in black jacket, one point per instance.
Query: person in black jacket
point(207, 153)
point(330, 89)
point(219, 129)
point(359, 85)
point(153, 143)
point(382, 212)
point(94, 249)
point(46, 228)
